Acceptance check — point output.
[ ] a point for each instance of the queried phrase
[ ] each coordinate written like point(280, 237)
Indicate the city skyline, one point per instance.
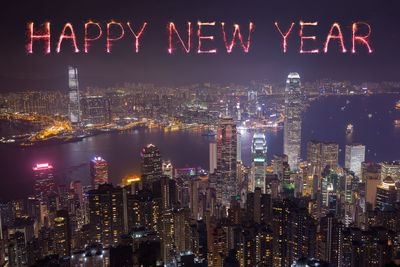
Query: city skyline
point(201, 134)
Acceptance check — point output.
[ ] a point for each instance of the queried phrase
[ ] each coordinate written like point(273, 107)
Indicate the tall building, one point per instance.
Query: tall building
point(106, 214)
point(227, 158)
point(167, 169)
point(44, 180)
point(94, 110)
point(239, 147)
point(213, 157)
point(386, 194)
point(98, 171)
point(151, 164)
point(74, 97)
point(390, 168)
point(292, 122)
point(355, 155)
point(259, 161)
point(321, 155)
point(62, 233)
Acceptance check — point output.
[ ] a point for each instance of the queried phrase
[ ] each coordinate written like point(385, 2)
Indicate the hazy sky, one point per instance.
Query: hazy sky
point(153, 63)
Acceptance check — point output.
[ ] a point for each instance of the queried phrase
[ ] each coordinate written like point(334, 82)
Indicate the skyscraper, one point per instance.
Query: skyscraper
point(213, 156)
point(106, 214)
point(74, 97)
point(259, 161)
point(386, 194)
point(227, 158)
point(44, 180)
point(292, 122)
point(94, 110)
point(151, 164)
point(320, 155)
point(98, 171)
point(355, 155)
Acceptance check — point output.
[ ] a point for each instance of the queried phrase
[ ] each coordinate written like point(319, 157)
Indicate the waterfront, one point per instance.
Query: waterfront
point(324, 120)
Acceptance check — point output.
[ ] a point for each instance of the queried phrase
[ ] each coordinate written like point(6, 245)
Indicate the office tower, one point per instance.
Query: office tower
point(44, 181)
point(213, 157)
point(151, 165)
point(386, 194)
point(98, 171)
point(278, 163)
point(371, 177)
point(292, 122)
point(74, 97)
point(259, 161)
point(167, 169)
point(239, 147)
point(165, 192)
point(321, 155)
point(106, 214)
point(227, 158)
point(62, 233)
point(355, 155)
point(94, 110)
point(392, 169)
point(330, 240)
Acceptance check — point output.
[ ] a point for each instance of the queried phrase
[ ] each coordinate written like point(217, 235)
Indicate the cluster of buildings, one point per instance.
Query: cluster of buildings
point(282, 211)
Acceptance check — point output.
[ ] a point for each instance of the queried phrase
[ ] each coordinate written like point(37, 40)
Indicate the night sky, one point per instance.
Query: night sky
point(20, 71)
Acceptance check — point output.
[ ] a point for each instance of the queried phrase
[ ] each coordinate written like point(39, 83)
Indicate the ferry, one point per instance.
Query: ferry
point(396, 123)
point(349, 129)
point(397, 107)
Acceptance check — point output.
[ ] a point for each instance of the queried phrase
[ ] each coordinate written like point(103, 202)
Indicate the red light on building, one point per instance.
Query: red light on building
point(42, 166)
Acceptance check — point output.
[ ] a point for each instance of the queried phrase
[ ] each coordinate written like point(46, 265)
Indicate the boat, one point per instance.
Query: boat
point(369, 116)
point(349, 129)
point(396, 123)
point(397, 107)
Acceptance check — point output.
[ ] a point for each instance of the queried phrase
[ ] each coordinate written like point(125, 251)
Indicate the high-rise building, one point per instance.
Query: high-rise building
point(167, 169)
point(292, 122)
point(239, 147)
point(259, 161)
point(213, 156)
point(392, 169)
point(227, 158)
point(74, 97)
point(321, 155)
point(151, 164)
point(44, 180)
point(62, 234)
point(106, 214)
point(94, 110)
point(386, 194)
point(98, 171)
point(355, 155)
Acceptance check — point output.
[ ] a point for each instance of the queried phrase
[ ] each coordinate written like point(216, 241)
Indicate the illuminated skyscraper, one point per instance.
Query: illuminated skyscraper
point(292, 122)
point(259, 161)
point(151, 164)
point(106, 214)
point(62, 233)
point(227, 158)
point(94, 110)
point(213, 156)
point(320, 155)
point(74, 97)
point(44, 180)
point(167, 169)
point(386, 194)
point(390, 168)
point(355, 155)
point(98, 171)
